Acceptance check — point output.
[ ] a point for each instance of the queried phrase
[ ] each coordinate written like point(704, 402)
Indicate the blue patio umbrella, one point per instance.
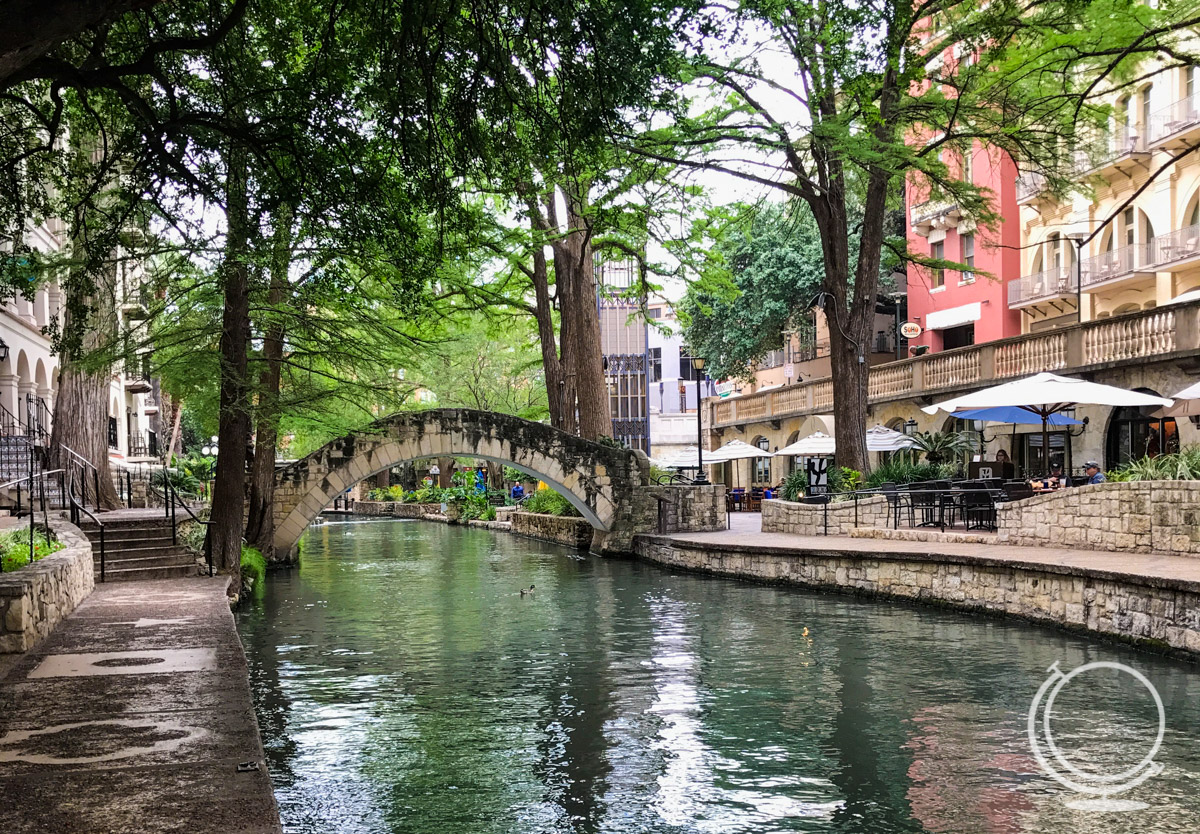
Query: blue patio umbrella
point(1016, 414)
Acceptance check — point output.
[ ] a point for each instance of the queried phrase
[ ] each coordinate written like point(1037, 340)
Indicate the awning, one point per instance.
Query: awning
point(953, 317)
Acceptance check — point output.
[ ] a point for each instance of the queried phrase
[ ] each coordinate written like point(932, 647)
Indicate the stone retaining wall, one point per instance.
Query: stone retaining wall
point(1133, 517)
point(1152, 612)
point(780, 516)
point(682, 508)
point(35, 598)
point(573, 532)
point(395, 509)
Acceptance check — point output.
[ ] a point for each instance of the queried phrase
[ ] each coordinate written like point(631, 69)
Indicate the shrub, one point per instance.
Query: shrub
point(473, 506)
point(14, 547)
point(794, 485)
point(844, 479)
point(899, 471)
point(254, 568)
point(1183, 465)
point(549, 502)
point(944, 446)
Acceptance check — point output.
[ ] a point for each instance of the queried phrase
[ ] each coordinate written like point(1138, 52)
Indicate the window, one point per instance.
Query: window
point(967, 172)
point(956, 337)
point(1132, 435)
point(1194, 215)
point(1127, 218)
point(654, 312)
point(937, 252)
point(112, 433)
point(968, 258)
point(656, 364)
point(762, 466)
point(1147, 98)
point(686, 371)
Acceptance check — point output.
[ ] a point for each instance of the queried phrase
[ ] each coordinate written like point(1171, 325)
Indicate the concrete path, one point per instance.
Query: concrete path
point(133, 716)
point(1161, 570)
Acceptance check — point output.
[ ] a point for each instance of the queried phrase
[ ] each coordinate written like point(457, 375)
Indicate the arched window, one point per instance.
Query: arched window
point(1133, 435)
point(794, 462)
point(762, 466)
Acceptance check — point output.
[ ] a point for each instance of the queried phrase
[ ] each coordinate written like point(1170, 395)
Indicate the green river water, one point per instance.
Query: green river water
point(403, 684)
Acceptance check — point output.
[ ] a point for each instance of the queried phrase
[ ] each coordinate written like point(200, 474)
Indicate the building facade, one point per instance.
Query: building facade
point(29, 372)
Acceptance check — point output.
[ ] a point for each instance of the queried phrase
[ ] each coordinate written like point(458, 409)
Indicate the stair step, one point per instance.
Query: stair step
point(135, 574)
point(122, 561)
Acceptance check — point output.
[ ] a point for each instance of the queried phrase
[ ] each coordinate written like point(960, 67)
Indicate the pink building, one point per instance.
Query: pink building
point(959, 308)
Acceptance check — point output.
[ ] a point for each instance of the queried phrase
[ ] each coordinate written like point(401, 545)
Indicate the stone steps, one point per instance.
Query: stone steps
point(140, 549)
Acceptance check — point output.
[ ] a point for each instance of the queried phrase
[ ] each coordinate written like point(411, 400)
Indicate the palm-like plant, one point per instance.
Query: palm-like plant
point(944, 446)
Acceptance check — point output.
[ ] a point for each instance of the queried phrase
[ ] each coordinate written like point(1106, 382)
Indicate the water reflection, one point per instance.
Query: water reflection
point(402, 684)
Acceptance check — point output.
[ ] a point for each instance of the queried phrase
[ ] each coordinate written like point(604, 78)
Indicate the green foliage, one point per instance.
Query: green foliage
point(549, 502)
point(944, 446)
point(794, 485)
point(1183, 465)
point(844, 479)
point(392, 493)
point(254, 569)
point(14, 547)
point(182, 479)
point(611, 442)
point(901, 471)
point(192, 535)
point(474, 506)
point(762, 272)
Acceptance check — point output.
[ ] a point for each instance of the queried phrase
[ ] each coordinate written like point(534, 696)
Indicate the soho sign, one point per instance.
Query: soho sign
point(910, 330)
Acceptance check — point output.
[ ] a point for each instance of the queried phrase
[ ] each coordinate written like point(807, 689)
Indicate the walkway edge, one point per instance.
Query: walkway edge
point(1153, 610)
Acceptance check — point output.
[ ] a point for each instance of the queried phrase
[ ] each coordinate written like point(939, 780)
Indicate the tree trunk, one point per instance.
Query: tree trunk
point(445, 472)
point(591, 388)
point(406, 475)
point(176, 425)
point(229, 485)
point(82, 405)
point(547, 338)
point(260, 527)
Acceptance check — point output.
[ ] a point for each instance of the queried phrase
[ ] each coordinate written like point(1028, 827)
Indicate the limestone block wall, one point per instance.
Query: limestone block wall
point(573, 532)
point(1154, 612)
point(681, 508)
point(779, 516)
point(1133, 517)
point(35, 598)
point(395, 509)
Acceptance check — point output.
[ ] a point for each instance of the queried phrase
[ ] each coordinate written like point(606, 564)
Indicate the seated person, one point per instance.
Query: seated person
point(1094, 475)
point(518, 491)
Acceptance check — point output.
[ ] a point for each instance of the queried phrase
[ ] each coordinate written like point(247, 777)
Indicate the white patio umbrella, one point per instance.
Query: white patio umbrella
point(818, 444)
point(1187, 403)
point(685, 458)
point(735, 450)
point(882, 439)
point(1045, 394)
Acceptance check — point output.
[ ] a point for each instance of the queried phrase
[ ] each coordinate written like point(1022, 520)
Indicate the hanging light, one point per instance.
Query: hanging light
point(910, 427)
point(3, 351)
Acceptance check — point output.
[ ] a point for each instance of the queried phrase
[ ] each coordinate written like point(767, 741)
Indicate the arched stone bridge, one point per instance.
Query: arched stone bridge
point(607, 485)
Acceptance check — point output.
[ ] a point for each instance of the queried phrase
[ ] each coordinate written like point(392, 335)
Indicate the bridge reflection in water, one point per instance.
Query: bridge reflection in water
point(403, 684)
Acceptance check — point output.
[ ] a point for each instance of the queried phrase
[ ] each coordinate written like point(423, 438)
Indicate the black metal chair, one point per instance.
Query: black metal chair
point(1017, 490)
point(896, 502)
point(925, 500)
point(978, 504)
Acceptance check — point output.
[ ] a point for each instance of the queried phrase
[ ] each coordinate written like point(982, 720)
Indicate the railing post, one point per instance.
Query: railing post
point(1187, 328)
point(918, 369)
point(96, 484)
point(1074, 345)
point(987, 361)
point(102, 566)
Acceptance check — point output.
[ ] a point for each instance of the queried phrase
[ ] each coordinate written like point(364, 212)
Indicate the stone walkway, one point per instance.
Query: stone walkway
point(745, 532)
point(134, 716)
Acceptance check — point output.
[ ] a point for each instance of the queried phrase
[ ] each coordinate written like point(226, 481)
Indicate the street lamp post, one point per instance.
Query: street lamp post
point(698, 364)
point(210, 450)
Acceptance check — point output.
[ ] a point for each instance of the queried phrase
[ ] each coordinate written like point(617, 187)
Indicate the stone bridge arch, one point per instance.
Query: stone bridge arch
point(602, 482)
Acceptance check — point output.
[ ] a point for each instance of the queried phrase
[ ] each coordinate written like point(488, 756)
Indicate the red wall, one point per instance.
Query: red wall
point(996, 253)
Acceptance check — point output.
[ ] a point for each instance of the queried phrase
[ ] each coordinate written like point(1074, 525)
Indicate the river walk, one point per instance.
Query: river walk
point(134, 716)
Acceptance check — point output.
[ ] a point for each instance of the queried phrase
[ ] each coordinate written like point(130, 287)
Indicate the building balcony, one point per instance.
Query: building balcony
point(1177, 250)
point(935, 214)
point(1166, 334)
point(1031, 188)
point(1044, 287)
point(1129, 263)
point(1177, 125)
point(1124, 150)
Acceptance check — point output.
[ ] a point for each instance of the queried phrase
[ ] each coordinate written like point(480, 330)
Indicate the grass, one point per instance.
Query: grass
point(14, 547)
point(254, 568)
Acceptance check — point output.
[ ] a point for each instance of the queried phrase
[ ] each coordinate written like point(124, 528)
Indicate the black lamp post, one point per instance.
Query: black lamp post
point(910, 427)
point(698, 364)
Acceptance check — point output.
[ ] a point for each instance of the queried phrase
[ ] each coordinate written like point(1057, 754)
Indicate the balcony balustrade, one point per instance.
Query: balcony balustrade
point(1177, 249)
point(1039, 287)
point(1125, 340)
point(1122, 149)
point(1119, 264)
point(935, 214)
point(1030, 186)
point(1177, 125)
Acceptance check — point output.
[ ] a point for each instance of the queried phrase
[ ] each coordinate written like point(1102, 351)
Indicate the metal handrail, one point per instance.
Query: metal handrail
point(30, 478)
point(76, 508)
point(170, 499)
point(84, 464)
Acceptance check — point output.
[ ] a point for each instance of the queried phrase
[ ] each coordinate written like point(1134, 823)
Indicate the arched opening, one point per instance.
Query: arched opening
point(793, 462)
point(1126, 308)
point(599, 481)
point(761, 470)
point(1133, 434)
